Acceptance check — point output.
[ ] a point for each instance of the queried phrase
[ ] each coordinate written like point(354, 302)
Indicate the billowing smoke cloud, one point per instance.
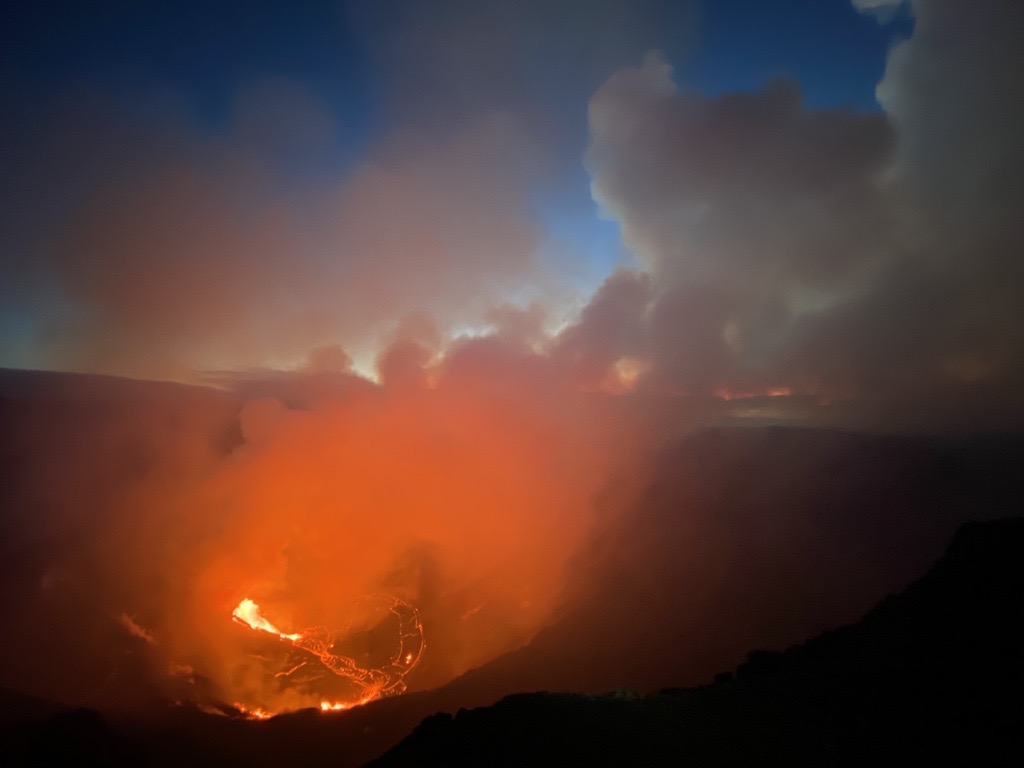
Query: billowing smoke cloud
point(828, 251)
point(780, 248)
point(462, 487)
point(747, 209)
point(463, 500)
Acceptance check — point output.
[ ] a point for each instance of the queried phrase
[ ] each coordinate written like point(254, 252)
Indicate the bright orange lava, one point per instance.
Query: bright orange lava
point(258, 713)
point(247, 612)
point(373, 683)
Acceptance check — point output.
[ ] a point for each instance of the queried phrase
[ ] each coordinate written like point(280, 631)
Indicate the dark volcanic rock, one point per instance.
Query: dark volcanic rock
point(754, 538)
point(79, 737)
point(934, 676)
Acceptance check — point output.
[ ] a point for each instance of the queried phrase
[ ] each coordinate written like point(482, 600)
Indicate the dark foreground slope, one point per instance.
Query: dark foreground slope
point(755, 538)
point(934, 676)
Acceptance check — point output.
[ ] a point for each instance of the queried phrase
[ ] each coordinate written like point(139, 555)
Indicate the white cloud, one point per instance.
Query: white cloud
point(830, 250)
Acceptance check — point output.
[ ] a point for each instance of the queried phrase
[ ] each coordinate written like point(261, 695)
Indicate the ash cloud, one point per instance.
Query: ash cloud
point(463, 490)
point(834, 252)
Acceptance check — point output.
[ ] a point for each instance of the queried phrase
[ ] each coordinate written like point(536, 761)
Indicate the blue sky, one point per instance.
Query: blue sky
point(835, 53)
point(208, 49)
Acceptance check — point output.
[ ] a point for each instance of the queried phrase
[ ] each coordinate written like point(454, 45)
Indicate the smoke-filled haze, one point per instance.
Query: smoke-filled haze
point(435, 284)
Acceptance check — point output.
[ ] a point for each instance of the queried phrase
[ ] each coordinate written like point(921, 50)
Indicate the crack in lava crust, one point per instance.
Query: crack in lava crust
point(371, 682)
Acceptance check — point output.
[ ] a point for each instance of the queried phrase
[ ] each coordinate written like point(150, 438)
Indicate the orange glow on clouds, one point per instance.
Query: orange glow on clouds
point(724, 393)
point(459, 499)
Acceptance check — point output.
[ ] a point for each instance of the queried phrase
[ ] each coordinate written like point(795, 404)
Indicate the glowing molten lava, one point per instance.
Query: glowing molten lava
point(248, 612)
point(371, 683)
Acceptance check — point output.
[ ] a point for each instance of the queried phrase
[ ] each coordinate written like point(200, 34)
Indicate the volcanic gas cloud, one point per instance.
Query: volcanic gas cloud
point(365, 539)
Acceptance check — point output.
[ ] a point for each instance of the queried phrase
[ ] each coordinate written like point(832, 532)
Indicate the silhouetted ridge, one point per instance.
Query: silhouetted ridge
point(79, 737)
point(934, 676)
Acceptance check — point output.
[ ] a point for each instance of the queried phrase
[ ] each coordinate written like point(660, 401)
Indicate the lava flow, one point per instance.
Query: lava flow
point(371, 683)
